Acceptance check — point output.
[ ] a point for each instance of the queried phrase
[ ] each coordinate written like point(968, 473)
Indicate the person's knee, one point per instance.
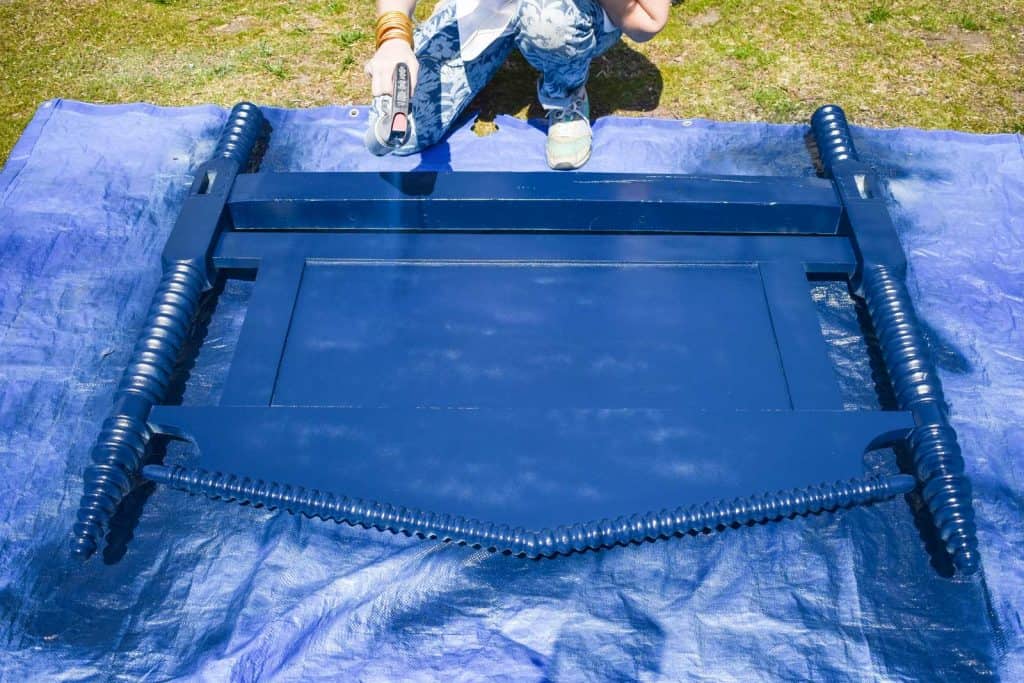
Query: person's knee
point(557, 27)
point(416, 142)
point(414, 145)
point(427, 121)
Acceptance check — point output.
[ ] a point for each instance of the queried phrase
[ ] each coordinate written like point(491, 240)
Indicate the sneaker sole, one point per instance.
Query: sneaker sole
point(568, 165)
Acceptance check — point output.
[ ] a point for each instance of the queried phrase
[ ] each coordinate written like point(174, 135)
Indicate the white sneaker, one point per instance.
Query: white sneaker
point(569, 135)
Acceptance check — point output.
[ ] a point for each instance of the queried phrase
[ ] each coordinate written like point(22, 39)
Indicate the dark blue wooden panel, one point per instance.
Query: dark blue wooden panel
point(820, 254)
point(528, 334)
point(534, 201)
point(257, 357)
point(810, 377)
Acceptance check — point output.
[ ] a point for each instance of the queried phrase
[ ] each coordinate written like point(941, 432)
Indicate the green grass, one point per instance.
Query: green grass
point(350, 37)
point(878, 13)
point(888, 62)
point(969, 23)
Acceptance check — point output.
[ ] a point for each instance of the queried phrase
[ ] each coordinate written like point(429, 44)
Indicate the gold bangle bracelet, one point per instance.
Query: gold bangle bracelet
point(404, 36)
point(399, 30)
point(392, 25)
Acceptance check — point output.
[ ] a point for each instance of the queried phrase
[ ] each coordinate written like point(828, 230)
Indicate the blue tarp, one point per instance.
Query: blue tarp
point(196, 588)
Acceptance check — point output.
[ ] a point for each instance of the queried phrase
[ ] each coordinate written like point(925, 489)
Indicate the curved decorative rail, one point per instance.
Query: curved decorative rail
point(546, 542)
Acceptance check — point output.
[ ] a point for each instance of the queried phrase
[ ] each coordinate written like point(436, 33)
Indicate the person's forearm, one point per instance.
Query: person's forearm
point(641, 20)
point(405, 6)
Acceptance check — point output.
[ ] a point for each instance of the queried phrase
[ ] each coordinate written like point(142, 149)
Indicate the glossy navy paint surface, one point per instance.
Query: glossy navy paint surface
point(532, 335)
point(432, 330)
point(602, 202)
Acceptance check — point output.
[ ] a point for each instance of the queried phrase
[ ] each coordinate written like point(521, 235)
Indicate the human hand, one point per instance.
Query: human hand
point(381, 67)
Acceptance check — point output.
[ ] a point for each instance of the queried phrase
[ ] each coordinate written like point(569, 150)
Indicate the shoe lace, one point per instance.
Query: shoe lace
point(571, 113)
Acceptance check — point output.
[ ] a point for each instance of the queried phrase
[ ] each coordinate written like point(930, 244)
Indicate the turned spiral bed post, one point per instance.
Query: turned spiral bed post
point(880, 281)
point(120, 449)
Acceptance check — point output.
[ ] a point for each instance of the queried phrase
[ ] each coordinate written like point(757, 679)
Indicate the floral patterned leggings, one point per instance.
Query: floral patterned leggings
point(559, 38)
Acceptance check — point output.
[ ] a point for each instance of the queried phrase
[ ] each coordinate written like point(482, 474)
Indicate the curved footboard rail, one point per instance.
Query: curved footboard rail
point(592, 535)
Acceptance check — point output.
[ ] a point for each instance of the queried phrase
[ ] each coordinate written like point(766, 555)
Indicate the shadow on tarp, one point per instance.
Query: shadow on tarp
point(621, 80)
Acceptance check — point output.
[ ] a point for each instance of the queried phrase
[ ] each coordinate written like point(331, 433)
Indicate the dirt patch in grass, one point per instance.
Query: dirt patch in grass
point(956, 64)
point(971, 42)
point(709, 17)
point(236, 25)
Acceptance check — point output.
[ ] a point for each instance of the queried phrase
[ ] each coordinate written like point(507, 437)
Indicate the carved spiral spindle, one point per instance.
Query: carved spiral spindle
point(938, 463)
point(121, 446)
point(937, 459)
point(832, 133)
point(596, 534)
point(243, 129)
